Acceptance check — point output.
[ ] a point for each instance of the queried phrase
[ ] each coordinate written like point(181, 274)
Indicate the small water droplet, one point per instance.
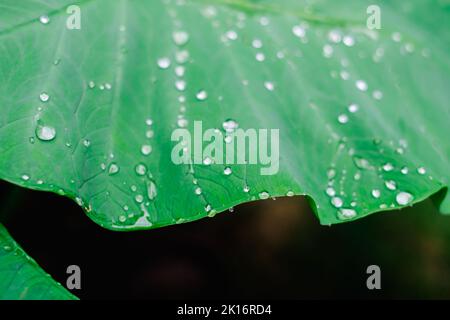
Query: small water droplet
point(404, 198)
point(388, 167)
point(264, 195)
point(327, 51)
point(139, 198)
point(345, 213)
point(269, 85)
point(151, 190)
point(207, 161)
point(86, 143)
point(113, 169)
point(198, 191)
point(141, 169)
point(330, 192)
point(290, 193)
point(202, 95)
point(353, 108)
point(146, 149)
point(44, 19)
point(361, 85)
point(421, 170)
point(349, 41)
point(44, 97)
point(180, 37)
point(337, 202)
point(390, 184)
point(335, 36)
point(45, 133)
point(227, 171)
point(230, 125)
point(25, 177)
point(231, 35)
point(122, 218)
point(257, 44)
point(343, 118)
point(164, 63)
point(260, 57)
point(376, 193)
point(246, 189)
point(331, 173)
point(299, 31)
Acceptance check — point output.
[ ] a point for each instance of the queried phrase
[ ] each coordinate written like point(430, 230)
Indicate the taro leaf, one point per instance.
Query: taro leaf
point(22, 278)
point(362, 114)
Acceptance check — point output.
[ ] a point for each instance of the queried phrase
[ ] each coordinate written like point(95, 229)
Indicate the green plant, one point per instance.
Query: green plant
point(89, 113)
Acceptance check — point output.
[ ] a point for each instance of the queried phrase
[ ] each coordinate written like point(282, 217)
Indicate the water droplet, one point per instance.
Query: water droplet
point(343, 118)
point(149, 134)
point(404, 170)
point(335, 36)
point(139, 198)
point(421, 170)
point(44, 19)
point(331, 173)
point(299, 31)
point(180, 85)
point(45, 133)
point(260, 57)
point(146, 149)
point(396, 36)
point(141, 169)
point(202, 95)
point(122, 218)
point(290, 193)
point(164, 63)
point(149, 122)
point(246, 189)
point(180, 37)
point(264, 195)
point(231, 35)
point(330, 192)
point(404, 198)
point(327, 51)
point(86, 143)
point(388, 167)
point(25, 177)
point(349, 41)
point(227, 171)
point(269, 85)
point(346, 213)
point(257, 44)
point(198, 191)
point(113, 168)
point(44, 97)
point(182, 122)
point(179, 71)
point(353, 108)
point(151, 190)
point(207, 161)
point(390, 184)
point(230, 125)
point(337, 202)
point(376, 193)
point(377, 95)
point(182, 56)
point(361, 85)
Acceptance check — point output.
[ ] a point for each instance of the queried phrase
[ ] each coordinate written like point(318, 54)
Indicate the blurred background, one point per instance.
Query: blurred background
point(266, 249)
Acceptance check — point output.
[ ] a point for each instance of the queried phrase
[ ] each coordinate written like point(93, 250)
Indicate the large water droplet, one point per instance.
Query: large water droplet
point(45, 133)
point(164, 63)
point(337, 202)
point(230, 125)
point(113, 169)
point(180, 37)
point(404, 198)
point(264, 195)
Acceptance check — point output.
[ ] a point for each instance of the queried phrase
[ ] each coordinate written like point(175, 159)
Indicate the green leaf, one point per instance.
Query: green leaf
point(22, 278)
point(74, 103)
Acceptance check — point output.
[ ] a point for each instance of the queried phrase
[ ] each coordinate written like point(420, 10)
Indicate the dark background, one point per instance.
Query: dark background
point(266, 249)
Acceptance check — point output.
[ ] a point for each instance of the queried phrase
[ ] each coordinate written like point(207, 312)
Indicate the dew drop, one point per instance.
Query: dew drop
point(207, 161)
point(113, 169)
point(269, 85)
point(390, 184)
point(349, 41)
point(44, 19)
point(346, 213)
point(180, 37)
point(227, 171)
point(388, 167)
point(246, 189)
point(146, 149)
point(335, 36)
point(257, 44)
point(343, 118)
point(337, 202)
point(230, 125)
point(86, 143)
point(151, 190)
point(25, 177)
point(290, 193)
point(327, 51)
point(361, 85)
point(404, 170)
point(404, 198)
point(44, 97)
point(353, 108)
point(45, 133)
point(299, 31)
point(376, 193)
point(202, 95)
point(330, 192)
point(139, 198)
point(264, 195)
point(231, 35)
point(198, 191)
point(260, 57)
point(164, 63)
point(421, 170)
point(141, 169)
